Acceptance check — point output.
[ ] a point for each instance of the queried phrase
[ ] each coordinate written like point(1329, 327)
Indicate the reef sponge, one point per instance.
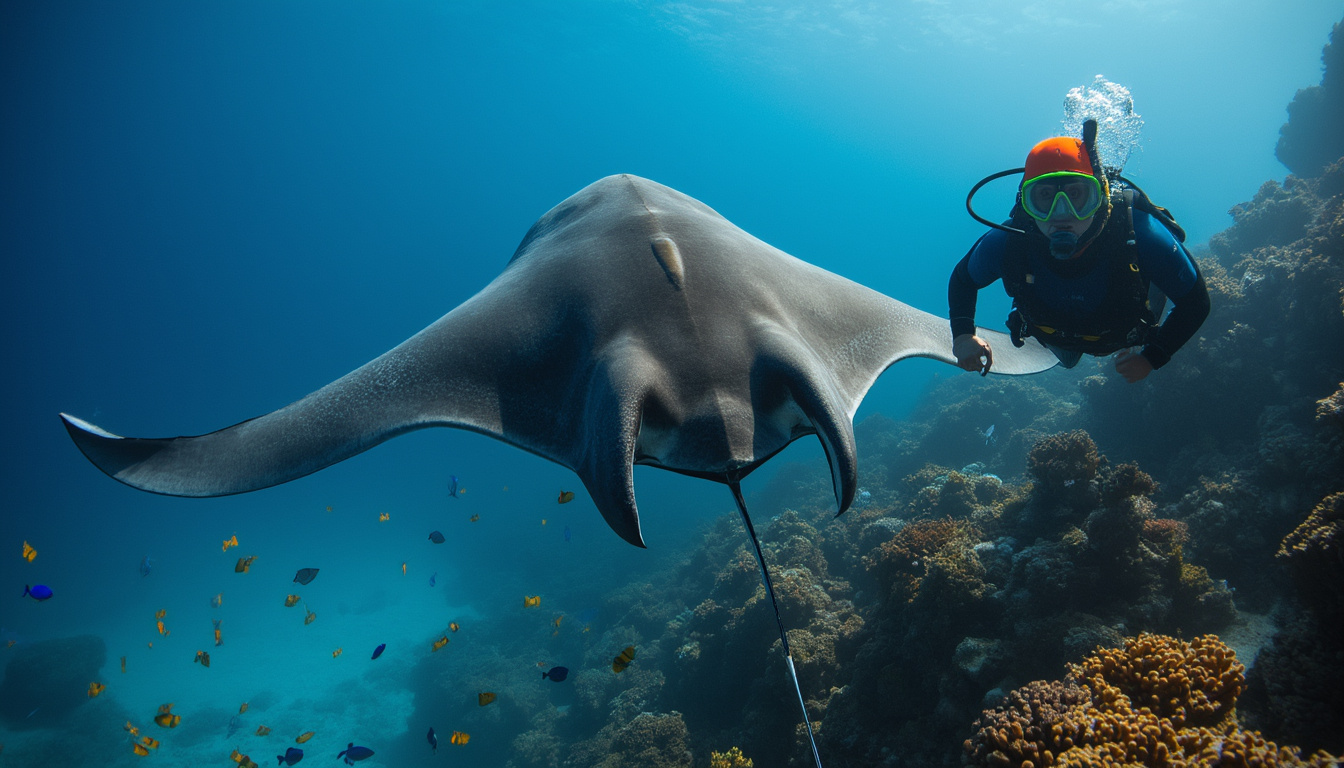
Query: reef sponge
point(1064, 464)
point(733, 758)
point(1157, 701)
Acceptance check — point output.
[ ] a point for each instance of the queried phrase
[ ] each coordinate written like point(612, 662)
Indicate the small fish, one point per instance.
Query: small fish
point(146, 565)
point(337, 652)
point(149, 742)
point(162, 631)
point(242, 760)
point(379, 650)
point(436, 537)
point(567, 533)
point(305, 576)
point(353, 754)
point(531, 601)
point(29, 553)
point(565, 497)
point(38, 592)
point(219, 635)
point(557, 674)
point(217, 600)
point(123, 665)
point(235, 725)
point(557, 620)
point(162, 612)
point(460, 737)
point(988, 435)
point(403, 569)
point(242, 708)
point(384, 517)
point(203, 659)
point(166, 718)
point(442, 641)
point(131, 729)
point(1069, 483)
point(433, 741)
point(291, 600)
point(139, 750)
point(543, 521)
point(244, 564)
point(622, 661)
point(11, 643)
point(263, 730)
point(95, 689)
point(433, 577)
point(328, 508)
point(310, 618)
point(485, 697)
point(230, 542)
point(291, 756)
point(474, 518)
point(454, 489)
point(306, 735)
point(453, 626)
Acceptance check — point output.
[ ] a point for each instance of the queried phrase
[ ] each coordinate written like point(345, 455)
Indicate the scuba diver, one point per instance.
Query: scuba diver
point(1089, 261)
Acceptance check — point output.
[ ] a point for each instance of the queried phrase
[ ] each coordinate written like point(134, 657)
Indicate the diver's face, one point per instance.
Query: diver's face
point(1076, 226)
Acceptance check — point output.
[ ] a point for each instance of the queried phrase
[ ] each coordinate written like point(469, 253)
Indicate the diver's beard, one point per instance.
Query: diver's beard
point(1063, 244)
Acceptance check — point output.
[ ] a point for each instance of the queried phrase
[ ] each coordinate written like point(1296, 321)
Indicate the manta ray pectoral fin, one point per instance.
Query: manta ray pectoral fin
point(611, 422)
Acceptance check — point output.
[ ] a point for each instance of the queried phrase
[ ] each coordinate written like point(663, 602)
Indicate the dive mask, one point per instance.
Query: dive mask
point(1061, 195)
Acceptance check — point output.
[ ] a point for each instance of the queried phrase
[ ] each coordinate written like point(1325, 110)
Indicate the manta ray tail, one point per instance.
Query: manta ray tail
point(783, 636)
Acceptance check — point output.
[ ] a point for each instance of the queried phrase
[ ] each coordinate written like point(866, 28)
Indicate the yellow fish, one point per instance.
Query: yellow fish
point(304, 737)
point(310, 618)
point(328, 507)
point(557, 621)
point(217, 600)
point(403, 569)
point(139, 750)
point(442, 641)
point(131, 729)
point(123, 665)
point(460, 737)
point(384, 517)
point(29, 553)
point(203, 659)
point(531, 601)
point(95, 689)
point(219, 637)
point(151, 643)
point(453, 626)
point(484, 698)
point(565, 497)
point(262, 730)
point(337, 652)
point(162, 631)
point(543, 521)
point(242, 708)
point(622, 661)
point(474, 518)
point(167, 720)
point(11, 643)
point(149, 741)
point(244, 564)
point(161, 613)
point(233, 542)
point(291, 601)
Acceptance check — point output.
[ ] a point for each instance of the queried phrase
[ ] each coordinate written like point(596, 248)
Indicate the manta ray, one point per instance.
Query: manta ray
point(633, 325)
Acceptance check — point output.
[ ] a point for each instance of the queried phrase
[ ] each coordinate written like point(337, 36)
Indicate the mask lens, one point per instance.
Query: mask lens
point(1061, 195)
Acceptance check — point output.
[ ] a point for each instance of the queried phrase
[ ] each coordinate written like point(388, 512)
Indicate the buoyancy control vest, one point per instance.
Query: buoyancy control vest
point(1130, 308)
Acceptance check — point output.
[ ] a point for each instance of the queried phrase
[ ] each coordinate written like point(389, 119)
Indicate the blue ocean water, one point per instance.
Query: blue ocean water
point(212, 209)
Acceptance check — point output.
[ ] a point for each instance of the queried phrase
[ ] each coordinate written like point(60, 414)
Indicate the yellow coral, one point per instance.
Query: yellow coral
point(733, 758)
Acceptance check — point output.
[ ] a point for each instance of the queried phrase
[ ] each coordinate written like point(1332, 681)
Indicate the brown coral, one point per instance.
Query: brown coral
point(1320, 536)
point(1064, 464)
point(1156, 702)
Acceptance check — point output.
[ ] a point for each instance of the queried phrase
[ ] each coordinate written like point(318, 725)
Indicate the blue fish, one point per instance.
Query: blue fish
point(305, 575)
point(557, 674)
point(433, 741)
point(432, 577)
point(567, 533)
point(353, 754)
point(379, 650)
point(146, 565)
point(436, 537)
point(39, 592)
point(452, 488)
point(291, 756)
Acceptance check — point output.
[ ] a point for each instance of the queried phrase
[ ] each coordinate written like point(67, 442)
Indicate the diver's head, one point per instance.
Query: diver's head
point(1062, 193)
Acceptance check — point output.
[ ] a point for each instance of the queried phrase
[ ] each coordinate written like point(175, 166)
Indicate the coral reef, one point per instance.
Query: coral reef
point(46, 681)
point(1310, 139)
point(733, 758)
point(1157, 701)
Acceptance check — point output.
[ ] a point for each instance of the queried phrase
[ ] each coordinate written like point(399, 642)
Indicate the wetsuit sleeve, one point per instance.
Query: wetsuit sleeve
point(1173, 271)
point(977, 269)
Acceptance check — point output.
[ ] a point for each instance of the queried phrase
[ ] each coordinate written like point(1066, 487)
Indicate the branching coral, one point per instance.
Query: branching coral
point(733, 758)
point(1156, 702)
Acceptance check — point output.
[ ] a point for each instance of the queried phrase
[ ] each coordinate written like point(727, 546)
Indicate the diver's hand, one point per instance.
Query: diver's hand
point(972, 353)
point(1133, 367)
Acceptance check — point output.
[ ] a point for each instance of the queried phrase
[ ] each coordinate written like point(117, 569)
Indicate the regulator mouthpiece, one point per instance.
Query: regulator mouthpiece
point(1063, 243)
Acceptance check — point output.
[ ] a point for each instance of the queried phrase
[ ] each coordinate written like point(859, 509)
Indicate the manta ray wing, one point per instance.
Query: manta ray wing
point(634, 324)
